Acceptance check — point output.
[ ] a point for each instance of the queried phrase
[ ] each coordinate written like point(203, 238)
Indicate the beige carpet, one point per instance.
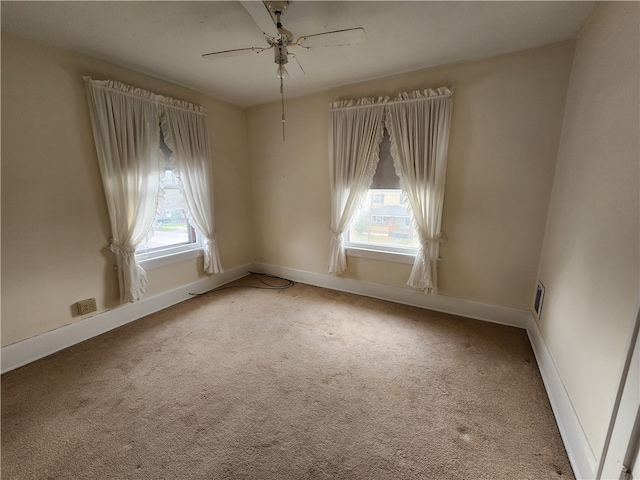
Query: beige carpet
point(303, 383)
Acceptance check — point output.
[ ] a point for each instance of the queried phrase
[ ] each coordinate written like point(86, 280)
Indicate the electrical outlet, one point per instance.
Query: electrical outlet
point(87, 306)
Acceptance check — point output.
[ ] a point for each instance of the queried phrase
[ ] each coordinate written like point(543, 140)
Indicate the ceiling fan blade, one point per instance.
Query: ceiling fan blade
point(294, 69)
point(262, 17)
point(235, 52)
point(332, 39)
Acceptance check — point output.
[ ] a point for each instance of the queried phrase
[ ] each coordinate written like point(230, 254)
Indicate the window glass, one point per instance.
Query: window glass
point(171, 227)
point(383, 219)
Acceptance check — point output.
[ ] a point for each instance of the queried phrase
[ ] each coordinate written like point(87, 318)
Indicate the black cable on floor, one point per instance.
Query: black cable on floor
point(266, 286)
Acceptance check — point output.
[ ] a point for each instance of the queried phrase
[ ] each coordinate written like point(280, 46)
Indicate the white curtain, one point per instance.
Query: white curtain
point(127, 138)
point(355, 135)
point(419, 132)
point(185, 133)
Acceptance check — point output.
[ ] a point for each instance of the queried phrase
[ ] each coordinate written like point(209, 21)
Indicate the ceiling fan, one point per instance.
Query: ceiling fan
point(267, 15)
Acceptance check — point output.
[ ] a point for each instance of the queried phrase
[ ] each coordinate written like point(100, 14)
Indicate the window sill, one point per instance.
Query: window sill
point(396, 257)
point(170, 258)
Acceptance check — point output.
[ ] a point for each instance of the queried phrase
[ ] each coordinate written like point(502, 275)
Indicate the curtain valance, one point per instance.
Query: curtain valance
point(139, 92)
point(404, 97)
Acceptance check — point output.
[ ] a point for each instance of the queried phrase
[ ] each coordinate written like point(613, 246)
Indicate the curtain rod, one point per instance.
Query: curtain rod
point(159, 102)
point(393, 102)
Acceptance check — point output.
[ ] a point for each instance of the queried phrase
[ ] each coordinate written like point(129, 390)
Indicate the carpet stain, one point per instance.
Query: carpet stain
point(464, 434)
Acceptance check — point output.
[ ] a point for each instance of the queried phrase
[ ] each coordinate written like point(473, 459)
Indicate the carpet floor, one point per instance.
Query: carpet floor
point(303, 383)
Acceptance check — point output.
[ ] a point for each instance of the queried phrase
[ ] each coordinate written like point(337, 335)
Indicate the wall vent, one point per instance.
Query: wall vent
point(537, 304)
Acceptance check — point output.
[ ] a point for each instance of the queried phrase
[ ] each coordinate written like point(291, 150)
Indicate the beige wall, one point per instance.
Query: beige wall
point(590, 259)
point(506, 123)
point(54, 216)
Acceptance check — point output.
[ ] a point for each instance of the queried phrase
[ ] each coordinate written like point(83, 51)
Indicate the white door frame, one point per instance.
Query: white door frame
point(620, 452)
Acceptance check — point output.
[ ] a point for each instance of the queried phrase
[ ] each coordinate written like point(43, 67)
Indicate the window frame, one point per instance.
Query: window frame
point(387, 254)
point(162, 256)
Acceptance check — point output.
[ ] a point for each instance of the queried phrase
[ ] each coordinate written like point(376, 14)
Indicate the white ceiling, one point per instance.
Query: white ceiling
point(166, 39)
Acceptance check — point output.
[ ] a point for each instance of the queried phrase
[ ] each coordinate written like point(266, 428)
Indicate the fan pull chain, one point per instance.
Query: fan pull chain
point(282, 97)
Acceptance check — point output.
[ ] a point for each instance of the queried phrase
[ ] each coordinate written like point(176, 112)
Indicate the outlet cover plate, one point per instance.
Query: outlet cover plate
point(87, 306)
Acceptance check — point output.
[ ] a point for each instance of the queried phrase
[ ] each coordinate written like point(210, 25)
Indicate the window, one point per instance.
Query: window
point(126, 124)
point(171, 233)
point(419, 122)
point(171, 227)
point(383, 219)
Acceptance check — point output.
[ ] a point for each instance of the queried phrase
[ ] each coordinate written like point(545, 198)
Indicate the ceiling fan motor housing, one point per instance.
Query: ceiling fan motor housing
point(280, 44)
point(285, 36)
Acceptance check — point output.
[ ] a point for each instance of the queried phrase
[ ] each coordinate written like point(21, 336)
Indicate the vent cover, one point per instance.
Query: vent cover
point(537, 304)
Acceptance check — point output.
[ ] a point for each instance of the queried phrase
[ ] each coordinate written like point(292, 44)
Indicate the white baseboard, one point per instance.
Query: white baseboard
point(417, 298)
point(26, 351)
point(581, 456)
